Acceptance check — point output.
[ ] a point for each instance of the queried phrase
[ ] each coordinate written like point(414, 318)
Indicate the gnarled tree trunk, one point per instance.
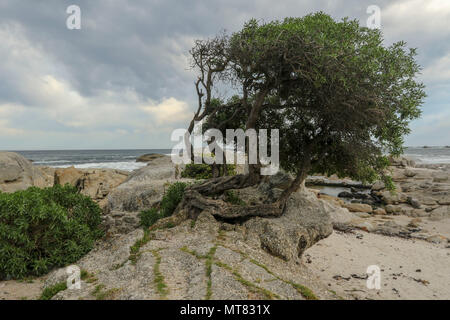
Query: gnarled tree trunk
point(194, 203)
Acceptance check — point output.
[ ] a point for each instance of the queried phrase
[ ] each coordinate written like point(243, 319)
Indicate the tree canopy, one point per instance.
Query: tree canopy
point(340, 98)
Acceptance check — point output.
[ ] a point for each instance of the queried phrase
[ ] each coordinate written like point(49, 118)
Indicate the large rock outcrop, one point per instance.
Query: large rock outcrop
point(18, 173)
point(305, 221)
point(141, 190)
point(419, 191)
point(205, 259)
point(142, 187)
point(95, 183)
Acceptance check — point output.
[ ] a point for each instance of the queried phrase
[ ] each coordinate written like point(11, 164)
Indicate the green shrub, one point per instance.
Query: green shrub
point(169, 202)
point(50, 292)
point(204, 171)
point(149, 217)
point(231, 169)
point(197, 171)
point(41, 229)
point(172, 198)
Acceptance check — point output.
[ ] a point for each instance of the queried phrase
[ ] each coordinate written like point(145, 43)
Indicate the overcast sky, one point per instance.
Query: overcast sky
point(123, 81)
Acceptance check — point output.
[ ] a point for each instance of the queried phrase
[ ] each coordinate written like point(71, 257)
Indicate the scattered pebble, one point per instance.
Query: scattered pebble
point(424, 282)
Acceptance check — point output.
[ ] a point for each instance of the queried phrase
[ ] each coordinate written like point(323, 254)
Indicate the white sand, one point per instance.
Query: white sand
point(399, 260)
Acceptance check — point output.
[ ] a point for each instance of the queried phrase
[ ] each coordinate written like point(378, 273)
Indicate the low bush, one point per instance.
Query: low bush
point(197, 171)
point(41, 229)
point(204, 171)
point(149, 217)
point(172, 198)
point(169, 202)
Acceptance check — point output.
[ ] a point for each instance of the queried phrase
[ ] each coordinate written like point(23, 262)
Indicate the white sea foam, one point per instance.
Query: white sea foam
point(50, 161)
point(124, 165)
point(430, 159)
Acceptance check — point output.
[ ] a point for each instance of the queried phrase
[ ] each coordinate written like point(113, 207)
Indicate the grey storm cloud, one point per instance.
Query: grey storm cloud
point(123, 80)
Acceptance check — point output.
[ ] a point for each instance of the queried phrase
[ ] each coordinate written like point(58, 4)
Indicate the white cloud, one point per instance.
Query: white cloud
point(168, 110)
point(105, 83)
point(417, 18)
point(45, 89)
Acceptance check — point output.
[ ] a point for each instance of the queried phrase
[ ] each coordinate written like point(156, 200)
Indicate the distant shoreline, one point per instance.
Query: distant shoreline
point(125, 159)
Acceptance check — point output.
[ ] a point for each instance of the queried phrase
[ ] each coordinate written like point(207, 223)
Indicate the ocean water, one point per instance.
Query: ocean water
point(126, 159)
point(112, 159)
point(429, 155)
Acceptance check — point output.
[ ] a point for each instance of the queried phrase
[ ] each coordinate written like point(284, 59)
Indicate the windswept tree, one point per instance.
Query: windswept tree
point(340, 99)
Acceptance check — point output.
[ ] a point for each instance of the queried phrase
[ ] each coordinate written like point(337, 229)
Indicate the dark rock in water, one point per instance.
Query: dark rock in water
point(353, 195)
point(345, 194)
point(360, 196)
point(149, 157)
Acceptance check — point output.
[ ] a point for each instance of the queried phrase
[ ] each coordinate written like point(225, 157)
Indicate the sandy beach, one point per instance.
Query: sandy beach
point(410, 269)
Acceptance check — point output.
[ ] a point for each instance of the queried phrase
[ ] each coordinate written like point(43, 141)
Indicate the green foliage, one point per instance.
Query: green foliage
point(169, 225)
point(229, 115)
point(204, 171)
point(41, 229)
point(339, 97)
point(87, 276)
point(304, 291)
point(233, 198)
point(197, 171)
point(158, 279)
point(231, 169)
point(352, 101)
point(208, 264)
point(50, 292)
point(169, 202)
point(136, 247)
point(172, 198)
point(389, 183)
point(149, 217)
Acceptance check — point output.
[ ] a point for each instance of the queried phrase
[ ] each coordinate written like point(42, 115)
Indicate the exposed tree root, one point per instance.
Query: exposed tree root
point(219, 185)
point(197, 199)
point(194, 203)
